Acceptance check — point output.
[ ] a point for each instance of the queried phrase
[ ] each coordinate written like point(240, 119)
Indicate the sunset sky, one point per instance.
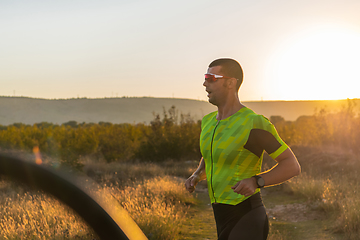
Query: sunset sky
point(289, 49)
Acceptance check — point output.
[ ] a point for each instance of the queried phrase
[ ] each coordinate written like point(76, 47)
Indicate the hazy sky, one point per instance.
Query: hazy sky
point(289, 49)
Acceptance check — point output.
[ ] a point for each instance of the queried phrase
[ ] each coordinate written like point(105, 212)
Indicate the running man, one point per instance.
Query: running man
point(232, 142)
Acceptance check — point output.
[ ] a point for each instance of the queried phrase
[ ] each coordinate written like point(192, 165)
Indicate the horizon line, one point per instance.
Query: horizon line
point(90, 98)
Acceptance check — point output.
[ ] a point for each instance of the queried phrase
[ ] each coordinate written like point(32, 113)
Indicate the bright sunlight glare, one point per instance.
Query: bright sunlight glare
point(319, 64)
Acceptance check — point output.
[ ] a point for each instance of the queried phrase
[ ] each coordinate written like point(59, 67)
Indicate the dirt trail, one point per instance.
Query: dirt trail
point(295, 218)
point(290, 208)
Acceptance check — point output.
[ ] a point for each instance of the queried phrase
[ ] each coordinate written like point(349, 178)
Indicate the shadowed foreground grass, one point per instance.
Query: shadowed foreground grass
point(27, 214)
point(159, 204)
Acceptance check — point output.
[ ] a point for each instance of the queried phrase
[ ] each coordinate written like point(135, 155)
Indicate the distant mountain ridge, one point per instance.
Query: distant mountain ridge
point(139, 109)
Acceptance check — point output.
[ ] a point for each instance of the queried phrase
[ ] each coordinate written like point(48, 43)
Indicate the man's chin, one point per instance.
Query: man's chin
point(211, 100)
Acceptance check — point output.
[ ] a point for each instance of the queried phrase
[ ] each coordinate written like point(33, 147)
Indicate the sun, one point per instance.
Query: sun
point(320, 63)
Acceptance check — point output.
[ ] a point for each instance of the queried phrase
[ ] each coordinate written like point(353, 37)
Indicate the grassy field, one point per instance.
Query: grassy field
point(155, 199)
point(327, 195)
point(322, 203)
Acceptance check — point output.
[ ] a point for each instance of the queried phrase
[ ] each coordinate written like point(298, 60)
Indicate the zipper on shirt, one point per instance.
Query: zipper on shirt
point(212, 161)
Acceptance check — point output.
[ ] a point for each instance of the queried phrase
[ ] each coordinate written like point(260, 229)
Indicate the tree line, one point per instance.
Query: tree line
point(168, 136)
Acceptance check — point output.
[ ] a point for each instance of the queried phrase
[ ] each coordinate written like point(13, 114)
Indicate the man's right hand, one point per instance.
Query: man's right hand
point(191, 182)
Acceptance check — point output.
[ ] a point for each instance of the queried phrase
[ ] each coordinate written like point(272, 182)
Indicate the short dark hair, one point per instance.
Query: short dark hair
point(230, 68)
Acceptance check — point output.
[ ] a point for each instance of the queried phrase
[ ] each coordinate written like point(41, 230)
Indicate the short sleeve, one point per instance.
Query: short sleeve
point(261, 122)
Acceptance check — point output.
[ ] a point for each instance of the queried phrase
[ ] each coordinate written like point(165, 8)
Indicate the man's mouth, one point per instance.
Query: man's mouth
point(209, 92)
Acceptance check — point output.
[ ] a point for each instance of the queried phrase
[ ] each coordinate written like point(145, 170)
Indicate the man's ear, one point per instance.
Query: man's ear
point(232, 83)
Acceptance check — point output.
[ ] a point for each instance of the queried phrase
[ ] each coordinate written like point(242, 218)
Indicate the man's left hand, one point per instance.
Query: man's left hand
point(246, 187)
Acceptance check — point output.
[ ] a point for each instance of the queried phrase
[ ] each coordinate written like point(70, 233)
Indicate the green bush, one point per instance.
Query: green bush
point(169, 139)
point(173, 137)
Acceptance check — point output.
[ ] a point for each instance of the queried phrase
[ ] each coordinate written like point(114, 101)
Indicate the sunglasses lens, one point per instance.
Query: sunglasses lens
point(210, 78)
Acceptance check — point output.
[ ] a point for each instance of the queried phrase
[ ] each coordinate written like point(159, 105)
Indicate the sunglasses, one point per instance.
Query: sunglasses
point(213, 77)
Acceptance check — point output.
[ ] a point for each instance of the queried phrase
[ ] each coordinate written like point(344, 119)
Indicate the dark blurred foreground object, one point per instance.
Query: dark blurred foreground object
point(107, 218)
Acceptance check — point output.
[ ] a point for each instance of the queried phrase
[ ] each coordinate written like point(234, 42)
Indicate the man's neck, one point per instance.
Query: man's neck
point(230, 107)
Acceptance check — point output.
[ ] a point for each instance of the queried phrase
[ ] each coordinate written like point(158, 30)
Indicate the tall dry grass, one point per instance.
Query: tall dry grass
point(158, 206)
point(153, 194)
point(157, 202)
point(27, 214)
point(330, 181)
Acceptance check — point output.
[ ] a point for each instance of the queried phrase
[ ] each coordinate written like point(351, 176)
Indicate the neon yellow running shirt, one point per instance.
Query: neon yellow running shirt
point(233, 150)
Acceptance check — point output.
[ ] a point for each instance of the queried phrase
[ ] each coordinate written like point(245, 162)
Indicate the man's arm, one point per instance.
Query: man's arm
point(287, 167)
point(196, 177)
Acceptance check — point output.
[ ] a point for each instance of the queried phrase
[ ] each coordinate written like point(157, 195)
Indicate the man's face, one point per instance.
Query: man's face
point(216, 90)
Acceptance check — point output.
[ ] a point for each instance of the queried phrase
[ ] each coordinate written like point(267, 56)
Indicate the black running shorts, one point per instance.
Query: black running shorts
point(244, 221)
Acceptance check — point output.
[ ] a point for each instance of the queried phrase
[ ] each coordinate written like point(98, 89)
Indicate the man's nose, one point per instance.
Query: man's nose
point(204, 83)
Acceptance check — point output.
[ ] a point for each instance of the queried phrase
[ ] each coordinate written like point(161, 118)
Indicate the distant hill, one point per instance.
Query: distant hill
point(136, 110)
point(115, 110)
